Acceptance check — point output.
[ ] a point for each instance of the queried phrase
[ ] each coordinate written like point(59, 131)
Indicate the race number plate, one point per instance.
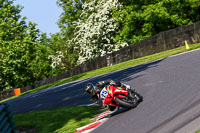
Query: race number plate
point(104, 93)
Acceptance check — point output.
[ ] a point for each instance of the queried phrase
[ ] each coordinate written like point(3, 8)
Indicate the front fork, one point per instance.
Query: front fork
point(133, 95)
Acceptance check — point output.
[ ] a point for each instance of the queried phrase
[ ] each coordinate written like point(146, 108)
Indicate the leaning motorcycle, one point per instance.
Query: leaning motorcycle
point(120, 97)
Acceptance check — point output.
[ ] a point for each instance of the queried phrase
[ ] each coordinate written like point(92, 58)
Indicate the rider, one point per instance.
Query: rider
point(95, 91)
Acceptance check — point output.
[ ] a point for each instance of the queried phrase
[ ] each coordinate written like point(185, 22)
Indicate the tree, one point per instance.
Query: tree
point(72, 10)
point(93, 28)
point(62, 54)
point(95, 31)
point(40, 65)
point(20, 44)
point(144, 18)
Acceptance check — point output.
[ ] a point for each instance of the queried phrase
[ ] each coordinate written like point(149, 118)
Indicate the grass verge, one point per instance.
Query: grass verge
point(60, 120)
point(119, 66)
point(67, 119)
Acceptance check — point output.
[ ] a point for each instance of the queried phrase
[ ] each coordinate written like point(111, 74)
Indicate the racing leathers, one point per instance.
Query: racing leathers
point(100, 85)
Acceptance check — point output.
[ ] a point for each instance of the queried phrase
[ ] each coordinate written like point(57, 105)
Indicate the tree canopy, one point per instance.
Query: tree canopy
point(23, 55)
point(144, 18)
point(137, 19)
point(88, 29)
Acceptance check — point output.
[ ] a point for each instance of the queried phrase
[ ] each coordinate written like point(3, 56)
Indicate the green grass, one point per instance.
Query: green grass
point(119, 66)
point(60, 120)
point(67, 119)
point(197, 131)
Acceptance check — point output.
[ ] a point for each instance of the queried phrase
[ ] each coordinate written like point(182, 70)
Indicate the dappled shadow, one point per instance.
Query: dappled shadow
point(126, 73)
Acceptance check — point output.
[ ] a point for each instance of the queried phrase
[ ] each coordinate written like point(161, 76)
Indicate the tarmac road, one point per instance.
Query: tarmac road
point(171, 90)
point(170, 87)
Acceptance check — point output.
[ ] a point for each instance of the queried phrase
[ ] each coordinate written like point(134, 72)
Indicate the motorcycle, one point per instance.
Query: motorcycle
point(120, 97)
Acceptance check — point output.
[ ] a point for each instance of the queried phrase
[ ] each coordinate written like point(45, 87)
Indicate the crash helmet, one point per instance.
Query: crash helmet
point(90, 88)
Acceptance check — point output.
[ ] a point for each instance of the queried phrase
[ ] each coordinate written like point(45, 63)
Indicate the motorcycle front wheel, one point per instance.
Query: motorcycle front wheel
point(126, 102)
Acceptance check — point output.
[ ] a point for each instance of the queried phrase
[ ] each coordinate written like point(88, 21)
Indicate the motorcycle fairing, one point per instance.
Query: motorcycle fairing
point(110, 92)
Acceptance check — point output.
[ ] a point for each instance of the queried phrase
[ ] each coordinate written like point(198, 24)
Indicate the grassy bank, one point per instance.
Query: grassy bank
point(119, 66)
point(60, 120)
point(67, 119)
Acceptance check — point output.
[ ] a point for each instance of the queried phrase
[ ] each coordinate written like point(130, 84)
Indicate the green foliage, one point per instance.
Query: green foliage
point(144, 18)
point(70, 55)
point(137, 20)
point(72, 10)
point(104, 70)
point(94, 35)
point(23, 51)
point(40, 65)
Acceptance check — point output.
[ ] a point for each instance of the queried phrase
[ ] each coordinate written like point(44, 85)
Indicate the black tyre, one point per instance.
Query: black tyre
point(111, 108)
point(125, 103)
point(139, 96)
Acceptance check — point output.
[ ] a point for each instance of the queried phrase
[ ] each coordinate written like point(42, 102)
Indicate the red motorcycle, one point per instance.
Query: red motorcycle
point(118, 96)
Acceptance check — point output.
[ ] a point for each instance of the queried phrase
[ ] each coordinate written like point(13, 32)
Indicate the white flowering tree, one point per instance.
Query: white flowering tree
point(57, 59)
point(95, 33)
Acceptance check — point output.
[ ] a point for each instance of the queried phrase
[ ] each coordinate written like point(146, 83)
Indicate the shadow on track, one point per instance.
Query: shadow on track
point(71, 94)
point(126, 73)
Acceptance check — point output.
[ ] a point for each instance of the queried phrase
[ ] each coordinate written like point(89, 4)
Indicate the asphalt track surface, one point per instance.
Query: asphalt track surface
point(170, 87)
